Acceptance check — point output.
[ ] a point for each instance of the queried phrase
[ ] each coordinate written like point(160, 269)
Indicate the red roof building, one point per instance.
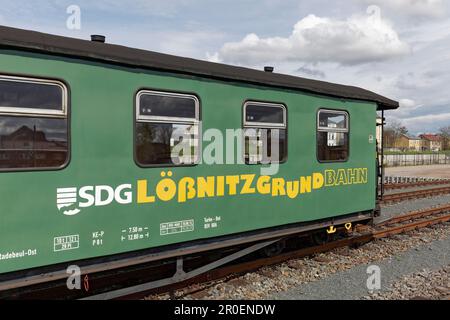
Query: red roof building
point(431, 142)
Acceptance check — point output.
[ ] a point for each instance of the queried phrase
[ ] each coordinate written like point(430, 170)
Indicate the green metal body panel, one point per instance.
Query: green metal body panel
point(102, 123)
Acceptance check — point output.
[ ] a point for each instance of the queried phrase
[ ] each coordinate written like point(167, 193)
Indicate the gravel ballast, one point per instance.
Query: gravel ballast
point(339, 274)
point(426, 284)
point(352, 284)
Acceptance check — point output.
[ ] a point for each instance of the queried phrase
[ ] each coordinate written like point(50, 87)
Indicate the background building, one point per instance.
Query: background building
point(408, 143)
point(431, 142)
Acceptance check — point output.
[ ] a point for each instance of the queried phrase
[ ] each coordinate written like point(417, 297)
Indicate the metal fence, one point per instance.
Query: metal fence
point(399, 160)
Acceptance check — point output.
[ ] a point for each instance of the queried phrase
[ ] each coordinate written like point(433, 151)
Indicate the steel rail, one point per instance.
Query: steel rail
point(395, 186)
point(398, 197)
point(414, 215)
point(410, 226)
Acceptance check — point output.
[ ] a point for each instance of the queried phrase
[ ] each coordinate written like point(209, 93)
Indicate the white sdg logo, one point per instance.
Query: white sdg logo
point(65, 198)
point(91, 196)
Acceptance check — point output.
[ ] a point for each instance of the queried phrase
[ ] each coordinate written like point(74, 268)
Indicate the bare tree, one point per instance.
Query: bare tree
point(403, 130)
point(445, 135)
point(388, 137)
point(392, 133)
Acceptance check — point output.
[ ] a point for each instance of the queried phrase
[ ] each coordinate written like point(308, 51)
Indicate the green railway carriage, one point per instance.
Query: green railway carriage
point(85, 170)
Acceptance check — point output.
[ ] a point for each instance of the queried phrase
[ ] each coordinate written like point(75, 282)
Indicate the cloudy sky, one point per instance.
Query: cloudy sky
point(398, 48)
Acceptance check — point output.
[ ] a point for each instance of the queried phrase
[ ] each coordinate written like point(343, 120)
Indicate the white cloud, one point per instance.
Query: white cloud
point(213, 57)
point(407, 103)
point(423, 8)
point(358, 39)
point(409, 108)
point(425, 121)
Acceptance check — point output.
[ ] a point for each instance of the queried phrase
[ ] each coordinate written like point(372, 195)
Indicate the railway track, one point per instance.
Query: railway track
point(360, 236)
point(411, 195)
point(397, 186)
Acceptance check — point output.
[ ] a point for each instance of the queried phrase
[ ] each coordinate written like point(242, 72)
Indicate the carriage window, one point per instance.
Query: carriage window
point(167, 129)
point(332, 136)
point(265, 133)
point(33, 124)
point(23, 95)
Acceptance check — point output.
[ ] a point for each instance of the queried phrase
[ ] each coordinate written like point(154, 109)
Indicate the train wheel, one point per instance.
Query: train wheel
point(274, 249)
point(320, 238)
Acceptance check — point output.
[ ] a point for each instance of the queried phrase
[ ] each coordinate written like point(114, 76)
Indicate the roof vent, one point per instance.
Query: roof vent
point(268, 69)
point(98, 38)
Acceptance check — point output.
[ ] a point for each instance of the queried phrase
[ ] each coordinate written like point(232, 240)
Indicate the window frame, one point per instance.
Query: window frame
point(64, 113)
point(165, 119)
point(33, 111)
point(138, 118)
point(264, 125)
point(336, 130)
